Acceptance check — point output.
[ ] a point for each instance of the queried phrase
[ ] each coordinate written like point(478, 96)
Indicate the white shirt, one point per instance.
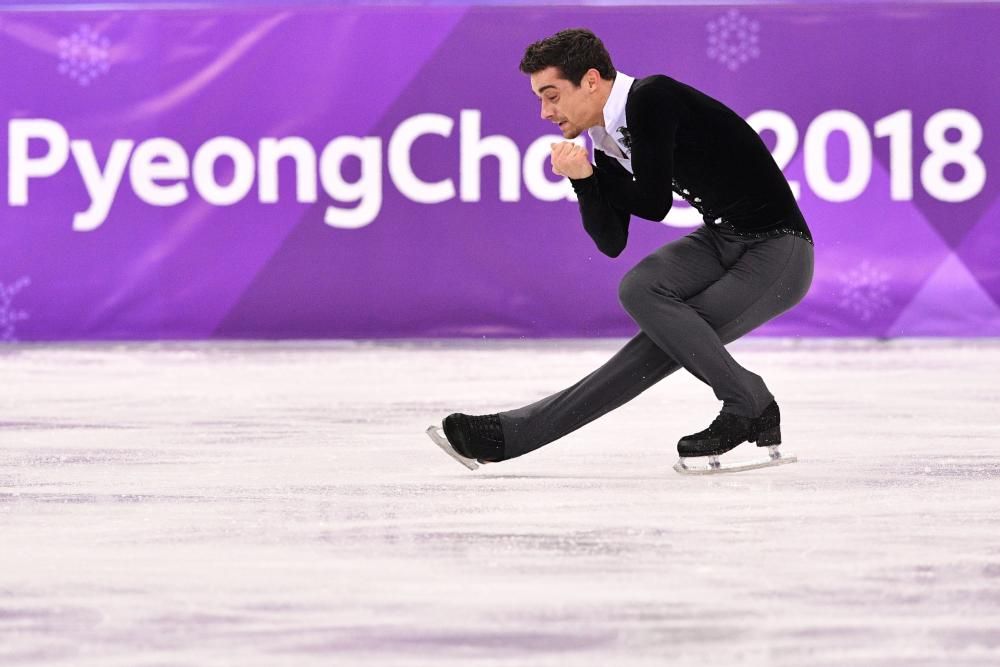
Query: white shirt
point(609, 139)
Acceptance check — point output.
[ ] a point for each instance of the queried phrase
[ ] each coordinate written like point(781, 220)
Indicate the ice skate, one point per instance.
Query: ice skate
point(437, 435)
point(470, 439)
point(700, 452)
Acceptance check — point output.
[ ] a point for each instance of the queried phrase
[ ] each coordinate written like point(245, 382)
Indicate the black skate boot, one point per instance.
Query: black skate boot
point(767, 427)
point(727, 431)
point(477, 437)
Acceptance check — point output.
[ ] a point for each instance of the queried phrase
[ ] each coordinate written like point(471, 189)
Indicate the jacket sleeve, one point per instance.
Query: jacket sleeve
point(606, 224)
point(611, 195)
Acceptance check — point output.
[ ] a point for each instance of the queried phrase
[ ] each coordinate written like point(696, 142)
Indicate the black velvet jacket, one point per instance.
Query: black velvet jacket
point(684, 141)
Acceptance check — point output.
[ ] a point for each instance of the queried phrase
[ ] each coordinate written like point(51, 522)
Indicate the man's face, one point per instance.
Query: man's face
point(571, 107)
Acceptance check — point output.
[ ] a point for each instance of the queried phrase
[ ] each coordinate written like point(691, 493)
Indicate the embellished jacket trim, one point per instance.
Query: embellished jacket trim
point(766, 234)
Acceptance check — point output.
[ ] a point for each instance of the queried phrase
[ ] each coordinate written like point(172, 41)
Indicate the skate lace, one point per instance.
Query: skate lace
point(723, 420)
point(486, 427)
point(726, 422)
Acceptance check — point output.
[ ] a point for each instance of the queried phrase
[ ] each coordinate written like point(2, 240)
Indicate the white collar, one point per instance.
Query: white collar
point(614, 108)
point(614, 115)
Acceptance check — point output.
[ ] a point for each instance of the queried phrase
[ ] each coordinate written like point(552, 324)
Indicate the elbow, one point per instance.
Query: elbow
point(610, 242)
point(658, 211)
point(612, 250)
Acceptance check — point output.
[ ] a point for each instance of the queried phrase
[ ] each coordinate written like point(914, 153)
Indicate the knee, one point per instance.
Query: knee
point(632, 289)
point(639, 286)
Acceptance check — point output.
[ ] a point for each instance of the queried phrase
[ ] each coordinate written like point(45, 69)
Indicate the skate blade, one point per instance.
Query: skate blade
point(711, 465)
point(437, 435)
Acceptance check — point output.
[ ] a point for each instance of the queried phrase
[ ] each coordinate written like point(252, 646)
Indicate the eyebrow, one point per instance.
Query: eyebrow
point(545, 87)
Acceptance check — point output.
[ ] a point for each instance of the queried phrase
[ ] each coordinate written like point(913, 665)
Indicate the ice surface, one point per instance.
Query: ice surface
point(280, 504)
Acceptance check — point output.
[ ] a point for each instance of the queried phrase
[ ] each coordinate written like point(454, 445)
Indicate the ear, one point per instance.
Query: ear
point(590, 78)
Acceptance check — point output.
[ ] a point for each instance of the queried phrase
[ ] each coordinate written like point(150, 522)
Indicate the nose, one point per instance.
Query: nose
point(546, 111)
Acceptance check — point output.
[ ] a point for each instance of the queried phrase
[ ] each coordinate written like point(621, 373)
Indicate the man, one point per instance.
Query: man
point(749, 262)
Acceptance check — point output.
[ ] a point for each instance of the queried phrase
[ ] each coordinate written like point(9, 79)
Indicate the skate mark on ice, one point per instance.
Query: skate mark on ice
point(494, 645)
point(57, 425)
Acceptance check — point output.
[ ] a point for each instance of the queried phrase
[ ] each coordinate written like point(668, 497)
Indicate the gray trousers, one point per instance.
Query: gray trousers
point(690, 298)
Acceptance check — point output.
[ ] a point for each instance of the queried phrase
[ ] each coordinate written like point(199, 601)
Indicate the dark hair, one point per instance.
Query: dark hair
point(573, 52)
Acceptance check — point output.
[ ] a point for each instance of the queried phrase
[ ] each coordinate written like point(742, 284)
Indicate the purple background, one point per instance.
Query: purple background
point(486, 268)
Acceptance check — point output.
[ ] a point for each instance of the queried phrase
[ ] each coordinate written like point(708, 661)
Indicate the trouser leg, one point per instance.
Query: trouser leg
point(656, 297)
point(732, 299)
point(636, 367)
point(762, 279)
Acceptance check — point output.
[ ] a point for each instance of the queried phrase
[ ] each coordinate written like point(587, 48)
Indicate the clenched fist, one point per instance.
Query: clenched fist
point(570, 160)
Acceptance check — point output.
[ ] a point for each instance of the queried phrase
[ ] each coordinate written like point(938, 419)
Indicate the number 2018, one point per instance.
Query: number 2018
point(898, 128)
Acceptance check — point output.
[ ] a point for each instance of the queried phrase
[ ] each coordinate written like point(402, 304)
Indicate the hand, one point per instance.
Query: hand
point(570, 160)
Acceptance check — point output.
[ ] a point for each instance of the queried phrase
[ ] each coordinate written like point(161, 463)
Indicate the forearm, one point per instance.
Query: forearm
point(651, 201)
point(606, 225)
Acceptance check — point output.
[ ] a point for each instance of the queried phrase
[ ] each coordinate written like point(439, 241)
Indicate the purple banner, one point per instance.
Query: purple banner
point(382, 172)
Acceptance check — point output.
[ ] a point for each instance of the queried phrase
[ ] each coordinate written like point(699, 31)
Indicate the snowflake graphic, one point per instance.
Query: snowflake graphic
point(732, 39)
point(9, 317)
point(84, 55)
point(864, 291)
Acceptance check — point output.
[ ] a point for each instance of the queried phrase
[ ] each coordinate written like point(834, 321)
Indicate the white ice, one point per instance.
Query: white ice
point(279, 504)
